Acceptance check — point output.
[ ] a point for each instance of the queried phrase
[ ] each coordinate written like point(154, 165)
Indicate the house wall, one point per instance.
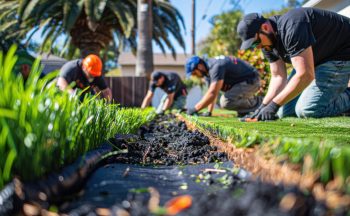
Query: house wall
point(128, 70)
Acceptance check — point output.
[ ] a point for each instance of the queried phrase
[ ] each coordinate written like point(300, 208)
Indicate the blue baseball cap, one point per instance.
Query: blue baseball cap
point(191, 64)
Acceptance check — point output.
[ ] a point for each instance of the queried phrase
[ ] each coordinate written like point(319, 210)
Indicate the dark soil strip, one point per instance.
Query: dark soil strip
point(167, 142)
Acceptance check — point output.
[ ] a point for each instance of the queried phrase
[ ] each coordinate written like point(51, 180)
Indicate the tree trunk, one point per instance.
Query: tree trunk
point(144, 62)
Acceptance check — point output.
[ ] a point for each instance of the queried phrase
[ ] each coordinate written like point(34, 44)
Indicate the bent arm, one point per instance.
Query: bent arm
point(277, 82)
point(107, 93)
point(63, 85)
point(305, 74)
point(212, 106)
point(147, 100)
point(210, 96)
point(169, 101)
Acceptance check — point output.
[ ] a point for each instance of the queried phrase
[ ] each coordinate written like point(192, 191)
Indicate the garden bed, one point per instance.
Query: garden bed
point(164, 161)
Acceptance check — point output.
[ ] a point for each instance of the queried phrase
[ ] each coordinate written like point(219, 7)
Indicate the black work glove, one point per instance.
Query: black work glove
point(205, 114)
point(268, 112)
point(253, 115)
point(257, 111)
point(192, 111)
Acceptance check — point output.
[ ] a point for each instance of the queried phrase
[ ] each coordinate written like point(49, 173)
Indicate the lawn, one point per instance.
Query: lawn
point(330, 129)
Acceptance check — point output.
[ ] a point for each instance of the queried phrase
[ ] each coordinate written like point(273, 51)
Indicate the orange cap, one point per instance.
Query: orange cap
point(93, 64)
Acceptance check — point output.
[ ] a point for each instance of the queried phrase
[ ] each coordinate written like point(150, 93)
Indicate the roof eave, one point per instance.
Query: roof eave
point(312, 3)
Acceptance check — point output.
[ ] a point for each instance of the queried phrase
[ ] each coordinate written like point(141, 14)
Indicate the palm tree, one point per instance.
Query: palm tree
point(144, 60)
point(8, 26)
point(95, 25)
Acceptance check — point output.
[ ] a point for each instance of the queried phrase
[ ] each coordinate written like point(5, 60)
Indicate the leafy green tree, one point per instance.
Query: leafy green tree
point(94, 25)
point(223, 38)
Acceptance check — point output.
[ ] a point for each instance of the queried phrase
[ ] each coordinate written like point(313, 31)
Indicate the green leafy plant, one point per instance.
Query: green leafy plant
point(193, 81)
point(42, 129)
point(223, 38)
point(257, 60)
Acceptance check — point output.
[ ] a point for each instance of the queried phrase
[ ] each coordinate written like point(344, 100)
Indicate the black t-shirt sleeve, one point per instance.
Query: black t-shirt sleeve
point(100, 83)
point(67, 72)
point(298, 37)
point(270, 55)
point(152, 87)
point(217, 72)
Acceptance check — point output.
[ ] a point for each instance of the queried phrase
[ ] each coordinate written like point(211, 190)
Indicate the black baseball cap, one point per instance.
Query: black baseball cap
point(155, 76)
point(248, 27)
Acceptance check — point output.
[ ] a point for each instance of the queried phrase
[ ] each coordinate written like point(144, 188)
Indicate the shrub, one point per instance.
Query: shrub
point(256, 59)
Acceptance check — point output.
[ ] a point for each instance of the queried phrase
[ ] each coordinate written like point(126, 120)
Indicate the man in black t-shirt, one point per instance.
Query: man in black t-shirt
point(317, 43)
point(85, 73)
point(175, 90)
point(237, 79)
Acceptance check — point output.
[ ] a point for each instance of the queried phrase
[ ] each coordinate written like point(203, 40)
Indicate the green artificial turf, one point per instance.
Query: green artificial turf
point(336, 129)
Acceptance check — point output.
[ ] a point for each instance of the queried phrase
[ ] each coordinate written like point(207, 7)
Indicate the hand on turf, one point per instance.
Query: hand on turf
point(192, 111)
point(269, 112)
point(257, 111)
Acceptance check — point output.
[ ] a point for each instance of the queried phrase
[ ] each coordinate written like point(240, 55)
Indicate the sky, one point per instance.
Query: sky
point(211, 8)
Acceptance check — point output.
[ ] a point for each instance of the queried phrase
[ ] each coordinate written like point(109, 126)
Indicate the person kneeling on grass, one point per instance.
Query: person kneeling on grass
point(175, 90)
point(85, 73)
point(317, 43)
point(237, 79)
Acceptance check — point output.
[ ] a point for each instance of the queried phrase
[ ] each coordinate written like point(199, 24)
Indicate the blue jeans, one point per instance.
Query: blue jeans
point(328, 95)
